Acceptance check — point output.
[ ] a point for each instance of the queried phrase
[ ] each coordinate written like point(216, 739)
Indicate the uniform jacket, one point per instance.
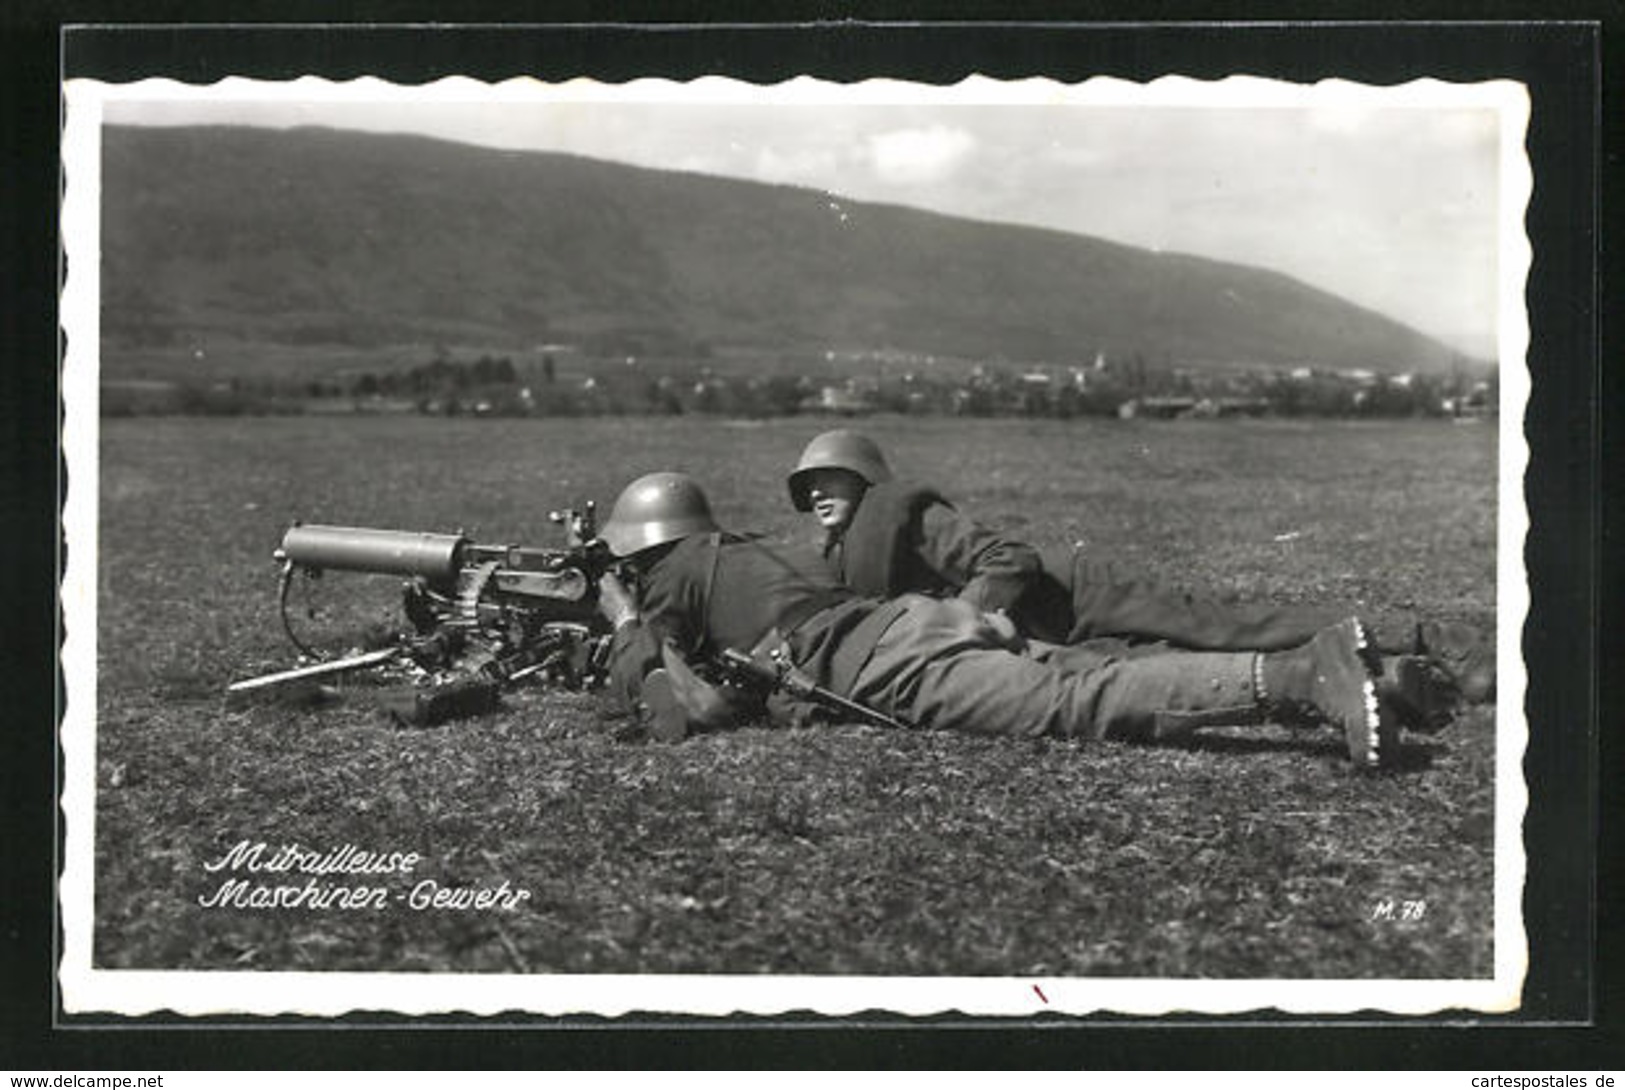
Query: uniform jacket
point(906, 538)
point(712, 591)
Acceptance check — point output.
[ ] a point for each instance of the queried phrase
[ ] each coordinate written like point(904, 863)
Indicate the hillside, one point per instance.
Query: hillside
point(318, 237)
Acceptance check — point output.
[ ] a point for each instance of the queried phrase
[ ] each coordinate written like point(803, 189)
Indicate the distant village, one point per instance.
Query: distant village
point(556, 380)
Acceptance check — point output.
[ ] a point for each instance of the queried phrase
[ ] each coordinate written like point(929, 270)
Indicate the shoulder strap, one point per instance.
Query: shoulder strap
point(713, 542)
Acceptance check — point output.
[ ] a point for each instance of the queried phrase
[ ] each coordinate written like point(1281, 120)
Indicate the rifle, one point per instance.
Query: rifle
point(483, 617)
point(783, 676)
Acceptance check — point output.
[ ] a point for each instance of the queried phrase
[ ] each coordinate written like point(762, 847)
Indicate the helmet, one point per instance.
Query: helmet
point(838, 449)
point(655, 509)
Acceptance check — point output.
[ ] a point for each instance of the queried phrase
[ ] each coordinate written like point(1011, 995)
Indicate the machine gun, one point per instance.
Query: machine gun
point(483, 617)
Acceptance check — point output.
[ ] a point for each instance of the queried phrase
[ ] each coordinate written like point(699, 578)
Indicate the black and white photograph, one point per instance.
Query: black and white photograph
point(687, 547)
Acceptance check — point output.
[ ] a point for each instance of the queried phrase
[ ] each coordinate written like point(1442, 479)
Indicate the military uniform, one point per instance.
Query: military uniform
point(885, 537)
point(929, 662)
point(932, 663)
point(905, 538)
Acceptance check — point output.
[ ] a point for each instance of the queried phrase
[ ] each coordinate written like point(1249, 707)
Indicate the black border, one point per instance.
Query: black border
point(1570, 1018)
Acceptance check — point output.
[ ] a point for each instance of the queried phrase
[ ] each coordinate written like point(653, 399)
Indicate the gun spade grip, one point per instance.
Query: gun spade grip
point(386, 552)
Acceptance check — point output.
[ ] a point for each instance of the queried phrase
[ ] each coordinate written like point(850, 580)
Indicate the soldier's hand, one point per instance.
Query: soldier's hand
point(1000, 629)
point(615, 601)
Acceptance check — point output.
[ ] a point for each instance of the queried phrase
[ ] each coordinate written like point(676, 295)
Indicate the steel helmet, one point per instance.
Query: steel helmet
point(655, 509)
point(838, 449)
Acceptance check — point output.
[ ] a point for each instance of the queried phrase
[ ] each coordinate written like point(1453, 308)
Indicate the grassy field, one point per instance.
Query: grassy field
point(825, 851)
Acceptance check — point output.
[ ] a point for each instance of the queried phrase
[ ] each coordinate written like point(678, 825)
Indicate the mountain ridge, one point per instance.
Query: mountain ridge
point(316, 236)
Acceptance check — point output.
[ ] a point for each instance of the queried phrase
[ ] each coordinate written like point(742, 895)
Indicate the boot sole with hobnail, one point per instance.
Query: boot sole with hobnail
point(1345, 692)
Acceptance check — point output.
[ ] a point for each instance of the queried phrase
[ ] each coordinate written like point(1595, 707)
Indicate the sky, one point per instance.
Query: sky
point(1393, 198)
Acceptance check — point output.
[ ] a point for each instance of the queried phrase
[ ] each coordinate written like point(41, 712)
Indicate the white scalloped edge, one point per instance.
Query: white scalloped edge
point(85, 989)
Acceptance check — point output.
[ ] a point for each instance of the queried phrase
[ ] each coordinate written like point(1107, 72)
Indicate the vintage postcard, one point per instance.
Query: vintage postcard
point(1113, 494)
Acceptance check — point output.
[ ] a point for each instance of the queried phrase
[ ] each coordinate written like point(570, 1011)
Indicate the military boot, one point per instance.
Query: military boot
point(659, 710)
point(1331, 680)
point(1419, 693)
point(1462, 652)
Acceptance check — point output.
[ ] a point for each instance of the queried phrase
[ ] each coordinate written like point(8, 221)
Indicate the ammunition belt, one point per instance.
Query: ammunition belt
point(470, 588)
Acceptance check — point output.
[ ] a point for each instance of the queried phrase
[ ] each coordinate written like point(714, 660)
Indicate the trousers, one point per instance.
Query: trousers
point(940, 666)
point(1078, 598)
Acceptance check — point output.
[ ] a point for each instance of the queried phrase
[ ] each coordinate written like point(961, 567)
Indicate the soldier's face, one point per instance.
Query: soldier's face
point(835, 494)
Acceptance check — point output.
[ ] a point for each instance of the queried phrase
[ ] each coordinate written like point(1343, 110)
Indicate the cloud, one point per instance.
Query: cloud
point(919, 156)
point(814, 164)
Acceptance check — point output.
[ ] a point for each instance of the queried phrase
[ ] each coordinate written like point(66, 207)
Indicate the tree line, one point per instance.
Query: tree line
point(495, 386)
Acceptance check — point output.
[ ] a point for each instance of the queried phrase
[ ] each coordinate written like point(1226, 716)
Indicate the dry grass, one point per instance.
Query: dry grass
point(830, 850)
